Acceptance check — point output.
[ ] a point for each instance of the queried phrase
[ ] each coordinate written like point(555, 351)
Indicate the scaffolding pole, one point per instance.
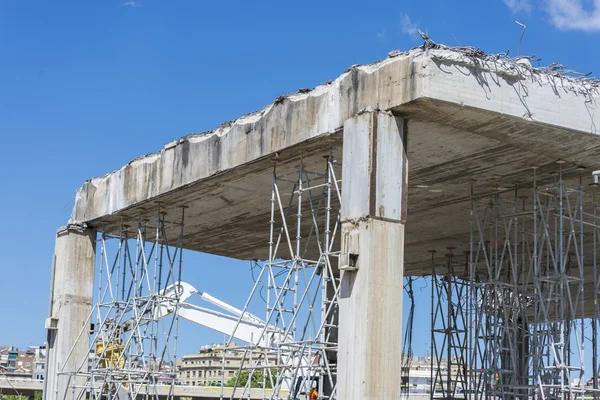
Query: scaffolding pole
point(132, 349)
point(527, 275)
point(298, 286)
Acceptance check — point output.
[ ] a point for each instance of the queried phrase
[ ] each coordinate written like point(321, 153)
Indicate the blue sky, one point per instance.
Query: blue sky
point(86, 86)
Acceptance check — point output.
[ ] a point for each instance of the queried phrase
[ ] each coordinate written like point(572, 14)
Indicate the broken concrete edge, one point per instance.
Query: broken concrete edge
point(444, 53)
point(72, 226)
point(520, 70)
point(406, 91)
point(251, 117)
point(89, 224)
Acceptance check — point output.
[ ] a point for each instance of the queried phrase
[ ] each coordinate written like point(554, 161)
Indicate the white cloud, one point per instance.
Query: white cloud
point(132, 4)
point(409, 27)
point(574, 14)
point(381, 35)
point(517, 6)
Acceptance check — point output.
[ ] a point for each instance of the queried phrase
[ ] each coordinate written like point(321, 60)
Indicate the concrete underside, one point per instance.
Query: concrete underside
point(469, 125)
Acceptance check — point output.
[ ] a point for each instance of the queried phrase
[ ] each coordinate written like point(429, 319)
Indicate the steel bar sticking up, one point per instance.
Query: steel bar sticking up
point(132, 347)
point(298, 286)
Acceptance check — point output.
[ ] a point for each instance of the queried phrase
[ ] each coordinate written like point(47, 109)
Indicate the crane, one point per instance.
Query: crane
point(241, 325)
point(234, 322)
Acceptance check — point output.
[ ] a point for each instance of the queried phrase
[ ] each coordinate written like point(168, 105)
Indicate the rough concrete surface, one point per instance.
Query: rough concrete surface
point(471, 122)
point(71, 305)
point(370, 299)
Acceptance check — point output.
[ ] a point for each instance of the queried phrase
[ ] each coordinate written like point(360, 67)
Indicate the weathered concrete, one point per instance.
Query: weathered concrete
point(20, 387)
point(373, 215)
point(479, 123)
point(476, 125)
point(71, 304)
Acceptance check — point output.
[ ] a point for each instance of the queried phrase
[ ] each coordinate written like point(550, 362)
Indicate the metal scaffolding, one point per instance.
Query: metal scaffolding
point(532, 264)
point(509, 319)
point(139, 297)
point(501, 278)
point(407, 350)
point(521, 316)
point(449, 323)
point(298, 286)
point(134, 320)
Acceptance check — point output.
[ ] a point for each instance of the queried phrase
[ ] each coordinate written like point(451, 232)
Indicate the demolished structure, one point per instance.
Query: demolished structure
point(474, 169)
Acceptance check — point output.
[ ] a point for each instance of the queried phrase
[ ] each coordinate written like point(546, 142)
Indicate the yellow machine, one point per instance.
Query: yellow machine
point(111, 356)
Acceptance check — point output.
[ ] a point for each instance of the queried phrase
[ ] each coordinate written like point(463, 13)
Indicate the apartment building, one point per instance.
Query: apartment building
point(206, 368)
point(39, 366)
point(17, 363)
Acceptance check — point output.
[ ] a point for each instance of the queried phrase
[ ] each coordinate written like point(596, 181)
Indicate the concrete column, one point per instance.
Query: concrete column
point(70, 306)
point(374, 178)
point(331, 336)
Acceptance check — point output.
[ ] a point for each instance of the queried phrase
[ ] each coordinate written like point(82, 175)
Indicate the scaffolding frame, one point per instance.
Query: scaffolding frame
point(507, 323)
point(527, 277)
point(297, 287)
point(407, 351)
point(532, 266)
point(132, 349)
point(500, 274)
point(449, 328)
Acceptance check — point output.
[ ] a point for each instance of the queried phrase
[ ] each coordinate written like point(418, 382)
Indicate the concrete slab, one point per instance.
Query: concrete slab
point(472, 120)
point(20, 386)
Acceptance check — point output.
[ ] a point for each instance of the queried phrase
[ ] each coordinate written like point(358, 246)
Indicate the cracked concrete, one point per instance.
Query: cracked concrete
point(471, 123)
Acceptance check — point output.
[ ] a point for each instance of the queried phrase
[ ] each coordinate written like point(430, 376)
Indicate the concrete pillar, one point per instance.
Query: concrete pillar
point(331, 336)
point(374, 179)
point(70, 306)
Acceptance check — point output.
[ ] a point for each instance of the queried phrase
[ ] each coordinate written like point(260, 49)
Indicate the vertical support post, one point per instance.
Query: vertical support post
point(329, 292)
point(522, 356)
point(375, 173)
point(68, 323)
point(596, 305)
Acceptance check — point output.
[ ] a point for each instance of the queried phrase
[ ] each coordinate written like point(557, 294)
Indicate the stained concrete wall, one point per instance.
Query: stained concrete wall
point(517, 109)
point(71, 304)
point(285, 123)
point(497, 99)
point(511, 90)
point(510, 109)
point(375, 171)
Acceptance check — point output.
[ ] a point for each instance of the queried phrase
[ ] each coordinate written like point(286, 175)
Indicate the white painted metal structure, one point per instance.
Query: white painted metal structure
point(300, 293)
point(131, 349)
point(140, 298)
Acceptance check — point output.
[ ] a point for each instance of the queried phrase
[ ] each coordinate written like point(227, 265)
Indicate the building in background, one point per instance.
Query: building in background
point(26, 364)
point(39, 366)
point(15, 363)
point(206, 368)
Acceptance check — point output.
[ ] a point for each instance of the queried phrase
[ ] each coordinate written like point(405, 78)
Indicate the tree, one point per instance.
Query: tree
point(36, 396)
point(257, 379)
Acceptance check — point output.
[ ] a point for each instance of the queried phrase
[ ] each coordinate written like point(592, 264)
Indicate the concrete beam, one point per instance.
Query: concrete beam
point(290, 121)
point(68, 323)
point(373, 215)
point(475, 121)
point(443, 77)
